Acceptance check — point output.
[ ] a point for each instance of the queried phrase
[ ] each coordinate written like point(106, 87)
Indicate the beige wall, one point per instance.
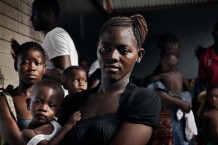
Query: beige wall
point(14, 23)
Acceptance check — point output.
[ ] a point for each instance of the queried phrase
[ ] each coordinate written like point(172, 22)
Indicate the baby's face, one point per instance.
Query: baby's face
point(44, 104)
point(79, 82)
point(213, 98)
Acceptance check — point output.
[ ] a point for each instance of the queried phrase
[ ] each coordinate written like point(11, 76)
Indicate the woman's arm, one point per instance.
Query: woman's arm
point(8, 127)
point(140, 114)
point(132, 134)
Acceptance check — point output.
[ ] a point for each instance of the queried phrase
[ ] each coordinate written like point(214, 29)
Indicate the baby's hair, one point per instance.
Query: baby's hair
point(136, 22)
point(41, 5)
point(23, 48)
point(68, 71)
point(165, 38)
point(59, 92)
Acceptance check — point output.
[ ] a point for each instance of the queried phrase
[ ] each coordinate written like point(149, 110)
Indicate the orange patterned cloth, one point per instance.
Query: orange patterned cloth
point(163, 134)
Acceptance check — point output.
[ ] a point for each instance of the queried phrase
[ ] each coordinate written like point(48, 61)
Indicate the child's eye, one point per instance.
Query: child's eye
point(52, 105)
point(38, 101)
point(105, 49)
point(25, 62)
point(76, 81)
point(37, 63)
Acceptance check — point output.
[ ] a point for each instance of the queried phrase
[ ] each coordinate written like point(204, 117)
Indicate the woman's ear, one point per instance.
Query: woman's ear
point(141, 53)
point(28, 100)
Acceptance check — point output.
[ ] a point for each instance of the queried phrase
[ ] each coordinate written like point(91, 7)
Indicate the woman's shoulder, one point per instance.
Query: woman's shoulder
point(138, 103)
point(135, 93)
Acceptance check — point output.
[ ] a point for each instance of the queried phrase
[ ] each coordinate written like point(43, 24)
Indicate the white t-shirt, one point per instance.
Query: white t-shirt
point(58, 42)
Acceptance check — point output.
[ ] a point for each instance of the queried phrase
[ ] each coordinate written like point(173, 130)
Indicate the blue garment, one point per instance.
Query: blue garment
point(178, 126)
point(22, 122)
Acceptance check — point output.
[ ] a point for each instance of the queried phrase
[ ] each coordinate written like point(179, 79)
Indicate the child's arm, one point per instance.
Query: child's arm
point(184, 106)
point(58, 137)
point(27, 135)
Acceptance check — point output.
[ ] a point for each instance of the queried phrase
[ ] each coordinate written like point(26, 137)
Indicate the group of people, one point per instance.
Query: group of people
point(113, 111)
point(59, 101)
point(187, 117)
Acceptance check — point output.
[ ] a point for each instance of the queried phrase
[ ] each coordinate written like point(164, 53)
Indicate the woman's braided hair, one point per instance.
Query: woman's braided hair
point(137, 22)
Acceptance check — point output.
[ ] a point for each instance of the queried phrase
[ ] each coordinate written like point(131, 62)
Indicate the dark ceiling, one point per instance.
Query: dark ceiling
point(114, 6)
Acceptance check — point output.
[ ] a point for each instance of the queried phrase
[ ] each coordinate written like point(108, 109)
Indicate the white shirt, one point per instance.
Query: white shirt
point(58, 42)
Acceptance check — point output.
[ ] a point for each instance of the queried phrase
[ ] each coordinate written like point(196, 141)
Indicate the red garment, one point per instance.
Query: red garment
point(163, 134)
point(208, 67)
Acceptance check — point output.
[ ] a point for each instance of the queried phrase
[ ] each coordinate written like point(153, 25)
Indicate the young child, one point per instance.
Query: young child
point(173, 79)
point(174, 92)
point(29, 62)
point(210, 117)
point(44, 105)
point(75, 79)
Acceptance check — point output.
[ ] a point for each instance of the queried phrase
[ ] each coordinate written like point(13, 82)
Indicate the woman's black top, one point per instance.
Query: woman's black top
point(137, 105)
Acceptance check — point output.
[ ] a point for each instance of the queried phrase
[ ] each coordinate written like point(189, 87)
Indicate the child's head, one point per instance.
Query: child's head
point(212, 97)
point(168, 62)
point(84, 63)
point(75, 79)
point(29, 62)
point(45, 99)
point(168, 43)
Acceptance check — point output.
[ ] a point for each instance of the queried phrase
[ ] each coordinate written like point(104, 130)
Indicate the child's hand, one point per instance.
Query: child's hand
point(184, 106)
point(76, 116)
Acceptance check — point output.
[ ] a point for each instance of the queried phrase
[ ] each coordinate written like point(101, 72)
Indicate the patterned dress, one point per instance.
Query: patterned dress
point(170, 130)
